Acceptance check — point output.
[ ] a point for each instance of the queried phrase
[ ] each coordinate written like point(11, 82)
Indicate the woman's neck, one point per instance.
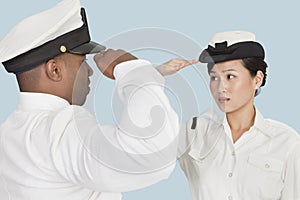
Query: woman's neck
point(240, 121)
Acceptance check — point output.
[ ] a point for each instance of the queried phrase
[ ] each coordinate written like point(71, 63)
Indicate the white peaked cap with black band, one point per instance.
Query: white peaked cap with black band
point(231, 45)
point(43, 36)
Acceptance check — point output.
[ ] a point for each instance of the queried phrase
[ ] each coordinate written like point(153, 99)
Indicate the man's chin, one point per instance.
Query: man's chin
point(79, 101)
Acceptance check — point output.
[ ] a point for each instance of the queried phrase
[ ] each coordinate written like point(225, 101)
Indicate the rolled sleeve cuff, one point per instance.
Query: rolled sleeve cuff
point(123, 68)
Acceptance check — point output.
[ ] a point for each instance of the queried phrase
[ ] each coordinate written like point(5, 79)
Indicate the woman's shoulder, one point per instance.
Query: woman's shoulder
point(278, 128)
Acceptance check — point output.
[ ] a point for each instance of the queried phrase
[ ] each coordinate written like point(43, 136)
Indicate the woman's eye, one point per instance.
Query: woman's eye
point(230, 76)
point(213, 78)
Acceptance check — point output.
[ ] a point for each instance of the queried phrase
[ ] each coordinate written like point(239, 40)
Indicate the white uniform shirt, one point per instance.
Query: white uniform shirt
point(263, 164)
point(51, 150)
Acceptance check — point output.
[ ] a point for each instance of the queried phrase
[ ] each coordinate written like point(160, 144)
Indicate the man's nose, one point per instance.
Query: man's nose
point(89, 69)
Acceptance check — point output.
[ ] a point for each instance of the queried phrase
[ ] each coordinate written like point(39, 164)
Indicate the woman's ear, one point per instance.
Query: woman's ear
point(54, 69)
point(259, 79)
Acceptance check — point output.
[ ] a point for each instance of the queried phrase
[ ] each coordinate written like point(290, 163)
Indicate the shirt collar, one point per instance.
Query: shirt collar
point(41, 101)
point(259, 123)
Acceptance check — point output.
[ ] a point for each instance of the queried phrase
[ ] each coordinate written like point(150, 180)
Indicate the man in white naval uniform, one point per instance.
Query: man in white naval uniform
point(50, 146)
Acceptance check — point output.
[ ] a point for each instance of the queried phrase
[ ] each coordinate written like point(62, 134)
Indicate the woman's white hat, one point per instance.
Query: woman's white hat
point(231, 45)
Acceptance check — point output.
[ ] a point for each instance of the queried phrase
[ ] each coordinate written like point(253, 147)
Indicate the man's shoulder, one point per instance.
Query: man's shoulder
point(73, 112)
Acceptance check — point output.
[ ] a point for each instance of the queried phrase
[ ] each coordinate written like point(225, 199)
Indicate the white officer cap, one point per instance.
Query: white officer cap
point(231, 45)
point(45, 35)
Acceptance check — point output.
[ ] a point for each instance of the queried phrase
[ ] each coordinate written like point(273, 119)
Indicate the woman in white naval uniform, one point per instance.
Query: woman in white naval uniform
point(241, 156)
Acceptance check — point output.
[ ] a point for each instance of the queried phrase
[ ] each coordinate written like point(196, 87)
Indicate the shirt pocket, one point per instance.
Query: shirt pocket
point(264, 176)
point(265, 163)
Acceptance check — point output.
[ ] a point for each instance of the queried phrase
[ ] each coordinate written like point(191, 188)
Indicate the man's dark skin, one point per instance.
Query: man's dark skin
point(67, 75)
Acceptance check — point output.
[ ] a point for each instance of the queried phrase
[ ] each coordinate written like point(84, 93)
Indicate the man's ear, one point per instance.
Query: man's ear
point(259, 78)
point(53, 69)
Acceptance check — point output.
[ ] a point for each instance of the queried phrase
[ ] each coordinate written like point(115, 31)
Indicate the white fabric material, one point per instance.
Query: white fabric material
point(43, 27)
point(232, 37)
point(52, 150)
point(263, 164)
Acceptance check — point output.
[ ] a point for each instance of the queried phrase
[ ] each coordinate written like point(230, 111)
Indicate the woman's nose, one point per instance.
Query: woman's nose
point(222, 86)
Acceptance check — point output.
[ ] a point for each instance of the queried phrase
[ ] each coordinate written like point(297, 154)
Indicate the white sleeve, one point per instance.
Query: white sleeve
point(291, 188)
point(138, 152)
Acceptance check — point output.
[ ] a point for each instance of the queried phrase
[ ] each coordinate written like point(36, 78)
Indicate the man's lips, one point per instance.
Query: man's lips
point(223, 99)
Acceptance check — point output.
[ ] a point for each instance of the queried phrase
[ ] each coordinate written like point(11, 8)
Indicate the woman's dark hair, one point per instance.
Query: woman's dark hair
point(253, 64)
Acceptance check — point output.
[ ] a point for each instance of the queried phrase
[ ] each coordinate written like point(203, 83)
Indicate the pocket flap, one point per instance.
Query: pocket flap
point(266, 163)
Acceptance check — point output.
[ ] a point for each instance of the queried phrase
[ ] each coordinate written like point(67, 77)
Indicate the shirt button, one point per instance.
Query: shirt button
point(230, 197)
point(233, 153)
point(267, 166)
point(230, 174)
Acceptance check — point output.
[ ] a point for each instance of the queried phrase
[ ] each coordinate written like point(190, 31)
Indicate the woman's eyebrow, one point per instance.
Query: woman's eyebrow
point(229, 70)
point(226, 70)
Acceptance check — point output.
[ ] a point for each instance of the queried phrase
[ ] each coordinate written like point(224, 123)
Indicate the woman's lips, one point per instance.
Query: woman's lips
point(223, 99)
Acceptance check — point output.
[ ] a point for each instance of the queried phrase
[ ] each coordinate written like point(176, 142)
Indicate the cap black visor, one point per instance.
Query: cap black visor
point(87, 48)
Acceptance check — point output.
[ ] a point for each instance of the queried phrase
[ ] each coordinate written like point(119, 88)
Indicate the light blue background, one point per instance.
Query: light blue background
point(274, 23)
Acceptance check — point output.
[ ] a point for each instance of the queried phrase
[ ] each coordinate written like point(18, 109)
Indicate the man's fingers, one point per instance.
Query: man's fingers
point(107, 60)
